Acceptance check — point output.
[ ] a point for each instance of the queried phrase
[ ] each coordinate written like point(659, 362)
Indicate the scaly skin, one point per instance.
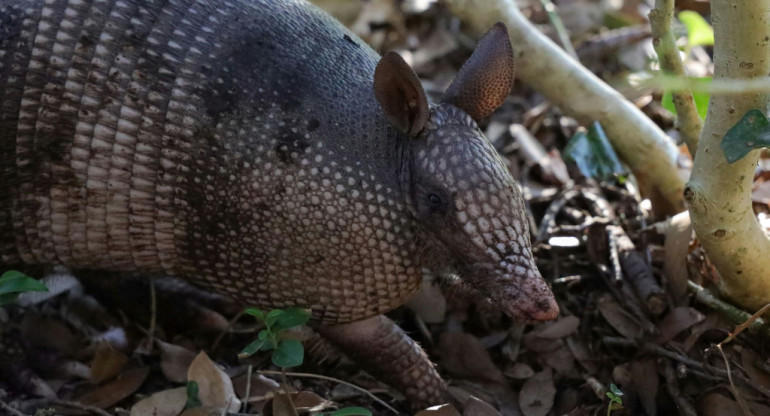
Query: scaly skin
point(239, 145)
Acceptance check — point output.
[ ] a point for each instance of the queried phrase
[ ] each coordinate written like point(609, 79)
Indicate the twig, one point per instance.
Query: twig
point(579, 93)
point(689, 362)
point(738, 396)
point(755, 325)
point(11, 410)
point(80, 406)
point(558, 25)
point(153, 314)
point(226, 330)
point(336, 380)
point(664, 42)
point(684, 406)
point(249, 371)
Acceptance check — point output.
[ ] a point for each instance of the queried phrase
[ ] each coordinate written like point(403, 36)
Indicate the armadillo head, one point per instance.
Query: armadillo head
point(458, 188)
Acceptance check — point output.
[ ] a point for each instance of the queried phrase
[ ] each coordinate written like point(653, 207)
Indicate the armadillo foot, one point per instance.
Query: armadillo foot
point(387, 352)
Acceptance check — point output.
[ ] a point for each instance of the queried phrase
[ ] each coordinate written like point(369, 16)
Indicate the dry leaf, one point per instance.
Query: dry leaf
point(442, 410)
point(715, 404)
point(307, 401)
point(124, 386)
point(560, 359)
point(464, 355)
point(214, 386)
point(476, 407)
point(259, 385)
point(676, 321)
point(175, 361)
point(537, 394)
point(163, 403)
point(561, 328)
point(107, 363)
point(618, 318)
point(582, 354)
point(748, 360)
point(519, 371)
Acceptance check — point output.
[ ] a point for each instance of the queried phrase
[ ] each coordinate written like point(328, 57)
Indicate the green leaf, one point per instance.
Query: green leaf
point(701, 99)
point(750, 133)
point(10, 274)
point(257, 313)
point(289, 353)
point(264, 334)
point(351, 411)
point(593, 155)
point(699, 32)
point(615, 390)
point(13, 283)
point(7, 298)
point(272, 316)
point(192, 395)
point(256, 345)
point(292, 317)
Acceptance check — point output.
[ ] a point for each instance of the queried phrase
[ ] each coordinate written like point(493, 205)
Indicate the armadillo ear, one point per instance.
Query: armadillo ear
point(400, 94)
point(486, 78)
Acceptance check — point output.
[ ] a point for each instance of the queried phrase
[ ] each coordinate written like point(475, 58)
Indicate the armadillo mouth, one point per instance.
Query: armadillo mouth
point(519, 291)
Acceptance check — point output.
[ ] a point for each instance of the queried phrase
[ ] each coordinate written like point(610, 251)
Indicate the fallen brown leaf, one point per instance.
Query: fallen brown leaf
point(537, 394)
point(107, 363)
point(123, 386)
point(676, 321)
point(464, 355)
point(214, 386)
point(175, 361)
point(163, 403)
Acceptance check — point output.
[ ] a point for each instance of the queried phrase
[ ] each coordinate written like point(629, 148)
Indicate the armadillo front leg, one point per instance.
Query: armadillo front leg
point(387, 352)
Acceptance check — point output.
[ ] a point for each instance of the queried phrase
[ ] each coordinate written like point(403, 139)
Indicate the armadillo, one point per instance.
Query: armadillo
point(259, 149)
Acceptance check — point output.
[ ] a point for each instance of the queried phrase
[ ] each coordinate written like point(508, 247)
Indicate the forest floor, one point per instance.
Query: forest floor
point(624, 274)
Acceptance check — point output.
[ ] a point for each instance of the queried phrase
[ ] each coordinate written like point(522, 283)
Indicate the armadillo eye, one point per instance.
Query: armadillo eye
point(434, 200)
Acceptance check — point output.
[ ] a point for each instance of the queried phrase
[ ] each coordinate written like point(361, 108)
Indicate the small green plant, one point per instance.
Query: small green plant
point(13, 283)
point(616, 399)
point(192, 395)
point(286, 352)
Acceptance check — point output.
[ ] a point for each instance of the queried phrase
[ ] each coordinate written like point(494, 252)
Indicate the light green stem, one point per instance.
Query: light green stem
point(664, 42)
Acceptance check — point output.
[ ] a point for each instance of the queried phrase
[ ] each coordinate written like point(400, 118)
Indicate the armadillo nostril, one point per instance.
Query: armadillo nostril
point(547, 310)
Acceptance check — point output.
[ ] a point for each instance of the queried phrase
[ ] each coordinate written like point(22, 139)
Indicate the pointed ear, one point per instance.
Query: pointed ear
point(486, 78)
point(400, 94)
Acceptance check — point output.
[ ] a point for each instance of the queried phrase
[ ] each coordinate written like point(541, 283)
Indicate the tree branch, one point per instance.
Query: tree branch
point(546, 67)
point(668, 54)
point(719, 194)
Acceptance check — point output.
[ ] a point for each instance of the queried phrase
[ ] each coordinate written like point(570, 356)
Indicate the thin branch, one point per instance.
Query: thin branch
point(336, 380)
point(558, 26)
point(543, 65)
point(668, 54)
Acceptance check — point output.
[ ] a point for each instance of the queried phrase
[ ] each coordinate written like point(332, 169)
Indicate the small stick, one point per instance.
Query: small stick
point(336, 380)
point(664, 42)
point(558, 25)
point(684, 406)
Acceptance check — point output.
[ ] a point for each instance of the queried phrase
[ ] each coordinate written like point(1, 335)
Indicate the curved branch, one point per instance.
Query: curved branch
point(668, 54)
point(719, 194)
point(546, 67)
